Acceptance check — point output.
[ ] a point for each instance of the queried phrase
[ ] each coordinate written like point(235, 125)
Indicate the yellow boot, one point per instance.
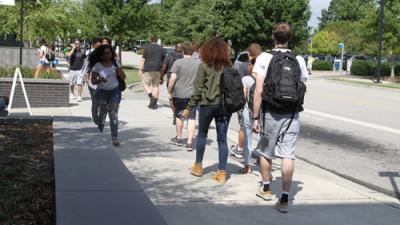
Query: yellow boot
point(220, 176)
point(197, 170)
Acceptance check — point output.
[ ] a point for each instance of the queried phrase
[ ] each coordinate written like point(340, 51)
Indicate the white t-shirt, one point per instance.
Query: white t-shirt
point(109, 73)
point(44, 50)
point(263, 60)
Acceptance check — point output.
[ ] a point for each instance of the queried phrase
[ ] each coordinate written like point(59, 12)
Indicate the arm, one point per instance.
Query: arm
point(71, 52)
point(171, 84)
point(198, 88)
point(163, 71)
point(257, 101)
point(95, 78)
point(141, 66)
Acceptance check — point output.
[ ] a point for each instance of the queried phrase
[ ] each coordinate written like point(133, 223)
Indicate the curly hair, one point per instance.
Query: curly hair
point(215, 53)
point(96, 55)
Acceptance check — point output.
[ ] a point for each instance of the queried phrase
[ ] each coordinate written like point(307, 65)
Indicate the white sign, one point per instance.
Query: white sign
point(7, 2)
point(18, 75)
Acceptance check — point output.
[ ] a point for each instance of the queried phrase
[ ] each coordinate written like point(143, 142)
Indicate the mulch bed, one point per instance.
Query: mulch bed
point(27, 191)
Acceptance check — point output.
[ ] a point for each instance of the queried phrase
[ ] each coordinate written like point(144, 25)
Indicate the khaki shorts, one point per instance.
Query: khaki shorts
point(151, 78)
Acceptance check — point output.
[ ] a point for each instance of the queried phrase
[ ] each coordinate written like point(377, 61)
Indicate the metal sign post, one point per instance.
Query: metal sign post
point(341, 46)
point(17, 75)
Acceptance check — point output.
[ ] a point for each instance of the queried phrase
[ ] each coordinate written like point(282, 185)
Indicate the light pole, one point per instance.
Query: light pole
point(21, 31)
point(380, 33)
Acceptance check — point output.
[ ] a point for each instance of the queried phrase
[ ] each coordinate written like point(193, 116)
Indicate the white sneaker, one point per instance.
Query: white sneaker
point(79, 99)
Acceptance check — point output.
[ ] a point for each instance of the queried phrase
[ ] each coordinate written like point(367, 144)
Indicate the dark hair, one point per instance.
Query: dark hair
point(96, 55)
point(254, 50)
point(282, 33)
point(42, 41)
point(108, 40)
point(253, 61)
point(187, 48)
point(178, 47)
point(153, 39)
point(215, 53)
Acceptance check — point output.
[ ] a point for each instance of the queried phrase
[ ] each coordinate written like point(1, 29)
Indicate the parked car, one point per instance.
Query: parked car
point(243, 57)
point(138, 45)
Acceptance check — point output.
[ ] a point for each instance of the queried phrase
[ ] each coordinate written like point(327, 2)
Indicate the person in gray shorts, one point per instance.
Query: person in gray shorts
point(280, 119)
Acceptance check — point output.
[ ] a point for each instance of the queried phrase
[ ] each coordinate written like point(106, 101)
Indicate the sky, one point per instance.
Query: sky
point(316, 7)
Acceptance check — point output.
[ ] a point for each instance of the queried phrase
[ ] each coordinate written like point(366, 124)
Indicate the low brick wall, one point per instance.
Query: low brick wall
point(41, 92)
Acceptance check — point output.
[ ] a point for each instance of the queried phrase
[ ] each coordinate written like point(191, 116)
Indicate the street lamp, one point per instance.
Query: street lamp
point(380, 31)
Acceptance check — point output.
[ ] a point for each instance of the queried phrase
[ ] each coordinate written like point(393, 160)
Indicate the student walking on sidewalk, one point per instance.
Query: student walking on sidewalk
point(108, 94)
point(279, 94)
point(180, 88)
point(215, 57)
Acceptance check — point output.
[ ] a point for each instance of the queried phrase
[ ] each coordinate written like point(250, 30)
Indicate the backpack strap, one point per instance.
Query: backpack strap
point(287, 128)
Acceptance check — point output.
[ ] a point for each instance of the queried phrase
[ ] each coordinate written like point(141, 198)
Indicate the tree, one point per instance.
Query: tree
point(325, 42)
point(344, 10)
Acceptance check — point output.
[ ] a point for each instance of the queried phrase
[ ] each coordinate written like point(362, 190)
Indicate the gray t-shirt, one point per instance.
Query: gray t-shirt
point(109, 73)
point(153, 55)
point(185, 70)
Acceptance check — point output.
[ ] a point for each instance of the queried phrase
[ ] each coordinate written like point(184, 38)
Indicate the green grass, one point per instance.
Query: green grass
point(132, 76)
point(369, 83)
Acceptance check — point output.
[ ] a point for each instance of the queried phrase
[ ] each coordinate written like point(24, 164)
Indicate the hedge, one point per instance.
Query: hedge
point(397, 69)
point(8, 72)
point(368, 68)
point(322, 65)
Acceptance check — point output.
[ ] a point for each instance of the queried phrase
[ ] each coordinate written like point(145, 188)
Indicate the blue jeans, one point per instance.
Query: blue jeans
point(206, 115)
point(248, 134)
point(109, 103)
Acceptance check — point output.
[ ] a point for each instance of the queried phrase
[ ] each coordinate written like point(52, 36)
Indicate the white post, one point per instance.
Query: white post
point(17, 75)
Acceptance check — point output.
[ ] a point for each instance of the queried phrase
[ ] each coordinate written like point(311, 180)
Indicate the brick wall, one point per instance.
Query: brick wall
point(41, 92)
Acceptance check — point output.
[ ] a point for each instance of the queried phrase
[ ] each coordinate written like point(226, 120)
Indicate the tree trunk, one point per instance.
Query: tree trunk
point(392, 73)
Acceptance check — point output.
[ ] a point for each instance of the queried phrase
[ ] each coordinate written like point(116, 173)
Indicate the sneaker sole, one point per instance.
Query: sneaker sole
point(263, 197)
point(196, 175)
point(281, 210)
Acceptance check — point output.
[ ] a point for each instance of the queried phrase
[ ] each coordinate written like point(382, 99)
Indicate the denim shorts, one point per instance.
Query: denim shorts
point(272, 142)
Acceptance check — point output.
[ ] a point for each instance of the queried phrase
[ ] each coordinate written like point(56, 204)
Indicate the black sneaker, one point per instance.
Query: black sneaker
point(176, 141)
point(100, 127)
point(282, 206)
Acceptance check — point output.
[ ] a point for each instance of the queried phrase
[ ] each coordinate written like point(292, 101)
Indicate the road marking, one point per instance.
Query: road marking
point(353, 121)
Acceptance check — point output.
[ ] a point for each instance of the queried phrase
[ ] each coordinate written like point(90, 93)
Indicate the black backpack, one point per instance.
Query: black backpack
point(232, 94)
point(50, 56)
point(283, 90)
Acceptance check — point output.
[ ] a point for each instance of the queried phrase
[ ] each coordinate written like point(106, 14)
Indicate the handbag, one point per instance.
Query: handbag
point(121, 82)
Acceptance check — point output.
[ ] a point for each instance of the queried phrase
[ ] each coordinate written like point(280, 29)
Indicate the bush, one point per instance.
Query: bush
point(397, 69)
point(52, 74)
point(368, 68)
point(140, 51)
point(322, 65)
point(8, 72)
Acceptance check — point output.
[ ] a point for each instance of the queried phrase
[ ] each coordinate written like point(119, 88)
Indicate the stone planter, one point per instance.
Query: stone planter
point(41, 92)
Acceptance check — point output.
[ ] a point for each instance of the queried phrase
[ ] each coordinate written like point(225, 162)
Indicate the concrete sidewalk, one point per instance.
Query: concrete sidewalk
point(162, 171)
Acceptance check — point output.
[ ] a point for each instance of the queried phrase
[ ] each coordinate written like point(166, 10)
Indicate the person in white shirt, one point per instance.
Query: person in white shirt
point(280, 106)
point(43, 64)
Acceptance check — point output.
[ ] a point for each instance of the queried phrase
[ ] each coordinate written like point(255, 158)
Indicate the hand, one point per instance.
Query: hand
point(256, 127)
point(185, 113)
point(103, 80)
point(169, 96)
point(161, 81)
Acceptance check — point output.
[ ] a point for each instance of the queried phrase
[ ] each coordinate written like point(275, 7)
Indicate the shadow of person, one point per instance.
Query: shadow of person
point(276, 187)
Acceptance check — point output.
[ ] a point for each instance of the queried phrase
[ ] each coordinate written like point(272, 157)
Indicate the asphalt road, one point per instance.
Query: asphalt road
point(353, 131)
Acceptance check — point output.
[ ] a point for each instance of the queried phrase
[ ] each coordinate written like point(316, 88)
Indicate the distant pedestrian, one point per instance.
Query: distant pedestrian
point(92, 87)
point(77, 59)
point(150, 67)
point(180, 89)
point(310, 62)
point(51, 54)
point(167, 65)
point(43, 64)
point(248, 81)
point(108, 94)
point(215, 57)
point(279, 95)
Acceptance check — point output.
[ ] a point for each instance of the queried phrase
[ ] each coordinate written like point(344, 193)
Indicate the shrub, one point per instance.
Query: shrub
point(368, 68)
point(140, 51)
point(322, 65)
point(397, 69)
point(52, 74)
point(8, 72)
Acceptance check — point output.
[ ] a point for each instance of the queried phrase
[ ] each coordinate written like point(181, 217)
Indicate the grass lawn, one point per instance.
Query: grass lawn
point(132, 76)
